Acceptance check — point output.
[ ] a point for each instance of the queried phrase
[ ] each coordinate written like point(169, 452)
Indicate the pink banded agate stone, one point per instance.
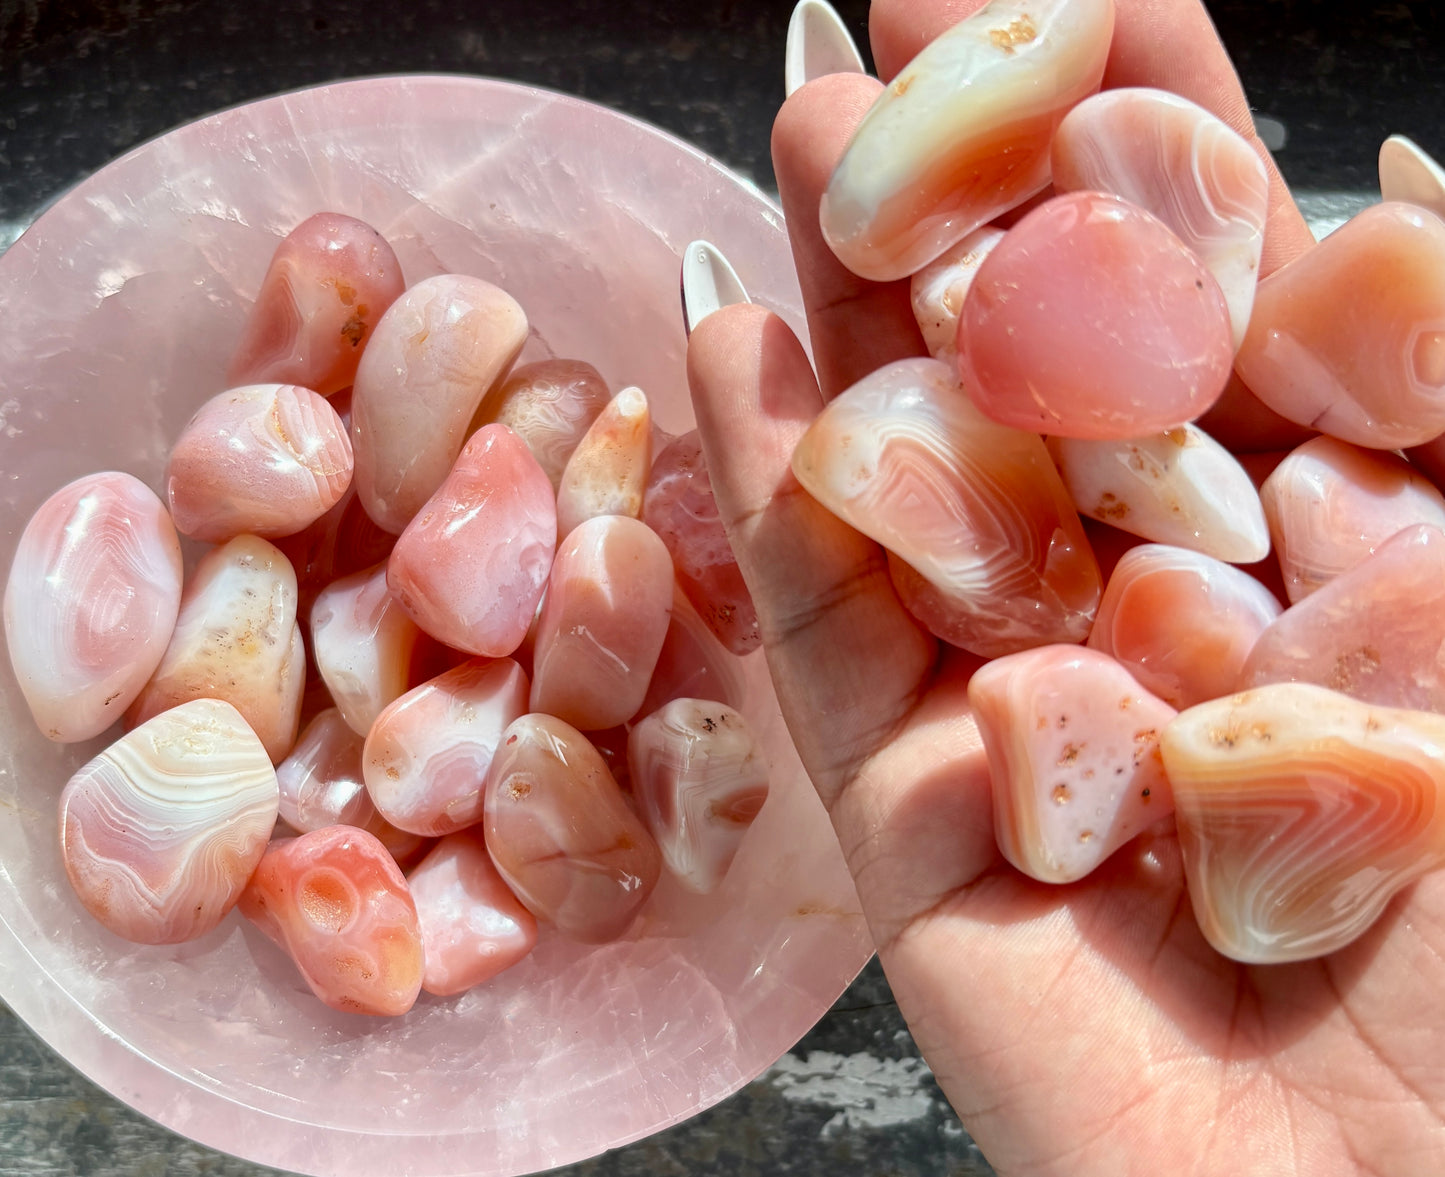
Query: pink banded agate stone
point(1300, 813)
point(1091, 319)
point(1181, 487)
point(1073, 749)
point(337, 903)
point(1190, 169)
point(937, 291)
point(265, 459)
point(91, 602)
point(962, 133)
point(989, 550)
point(680, 507)
point(1349, 338)
point(563, 836)
point(236, 638)
point(160, 832)
point(472, 926)
point(609, 601)
point(341, 542)
point(471, 567)
point(329, 282)
point(550, 405)
point(426, 757)
point(1182, 623)
point(692, 663)
point(700, 780)
point(607, 472)
point(1331, 504)
point(1376, 632)
point(434, 355)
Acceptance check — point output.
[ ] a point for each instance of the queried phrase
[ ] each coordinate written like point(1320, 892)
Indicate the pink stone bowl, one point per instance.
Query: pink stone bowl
point(118, 311)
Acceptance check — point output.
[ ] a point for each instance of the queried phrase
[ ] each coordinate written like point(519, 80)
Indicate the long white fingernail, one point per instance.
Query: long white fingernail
point(818, 44)
point(709, 283)
point(1408, 173)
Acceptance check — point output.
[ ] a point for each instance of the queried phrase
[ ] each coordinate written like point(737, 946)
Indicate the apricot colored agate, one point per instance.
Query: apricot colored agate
point(1300, 813)
point(550, 405)
point(91, 602)
point(962, 133)
point(337, 903)
point(1091, 319)
point(1349, 338)
point(607, 472)
point(562, 835)
point(329, 282)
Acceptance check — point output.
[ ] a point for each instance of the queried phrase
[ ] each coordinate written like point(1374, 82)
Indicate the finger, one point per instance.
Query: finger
point(848, 661)
point(856, 326)
point(1168, 44)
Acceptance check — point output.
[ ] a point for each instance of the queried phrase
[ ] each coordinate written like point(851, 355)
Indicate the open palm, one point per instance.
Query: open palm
point(1077, 1029)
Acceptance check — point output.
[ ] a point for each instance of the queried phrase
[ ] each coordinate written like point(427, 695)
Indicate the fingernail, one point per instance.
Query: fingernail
point(709, 283)
point(1408, 173)
point(818, 44)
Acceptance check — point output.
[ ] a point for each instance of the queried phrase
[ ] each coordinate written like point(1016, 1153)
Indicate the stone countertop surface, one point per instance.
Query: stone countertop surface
point(82, 81)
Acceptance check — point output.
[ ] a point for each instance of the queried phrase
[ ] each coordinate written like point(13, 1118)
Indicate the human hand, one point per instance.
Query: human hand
point(1076, 1029)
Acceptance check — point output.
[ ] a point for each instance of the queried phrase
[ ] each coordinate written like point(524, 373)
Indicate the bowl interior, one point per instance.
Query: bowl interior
point(118, 310)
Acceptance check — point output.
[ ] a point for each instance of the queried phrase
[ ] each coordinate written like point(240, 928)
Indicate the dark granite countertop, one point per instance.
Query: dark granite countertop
point(83, 81)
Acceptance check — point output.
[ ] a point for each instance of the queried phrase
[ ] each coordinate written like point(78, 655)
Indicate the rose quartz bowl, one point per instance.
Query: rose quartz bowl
point(118, 309)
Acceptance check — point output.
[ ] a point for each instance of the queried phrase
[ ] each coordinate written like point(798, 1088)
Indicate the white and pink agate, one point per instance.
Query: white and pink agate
point(433, 357)
point(91, 602)
point(699, 779)
point(472, 926)
point(1330, 504)
point(562, 834)
point(471, 567)
point(1349, 338)
point(990, 552)
point(1181, 487)
point(329, 282)
point(962, 133)
point(607, 472)
point(1293, 841)
point(1073, 750)
point(160, 832)
point(426, 757)
point(1177, 160)
point(263, 459)
point(937, 291)
point(550, 405)
point(1182, 623)
point(609, 602)
point(236, 638)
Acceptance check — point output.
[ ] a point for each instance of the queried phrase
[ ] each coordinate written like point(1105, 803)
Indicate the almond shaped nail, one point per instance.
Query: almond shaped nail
point(818, 44)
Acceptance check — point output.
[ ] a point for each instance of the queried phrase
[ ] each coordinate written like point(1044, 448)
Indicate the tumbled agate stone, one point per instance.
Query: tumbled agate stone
point(1182, 623)
point(692, 663)
point(1181, 487)
point(607, 472)
point(91, 602)
point(1330, 504)
point(337, 903)
point(962, 133)
point(937, 290)
point(700, 780)
point(236, 638)
point(1190, 169)
point(550, 405)
point(427, 755)
point(974, 510)
point(341, 542)
point(160, 832)
point(1376, 632)
point(680, 507)
point(1408, 173)
point(472, 926)
point(1349, 338)
point(433, 357)
point(263, 459)
point(1091, 319)
point(562, 834)
point(329, 282)
point(470, 568)
point(1300, 813)
point(1073, 749)
point(609, 600)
